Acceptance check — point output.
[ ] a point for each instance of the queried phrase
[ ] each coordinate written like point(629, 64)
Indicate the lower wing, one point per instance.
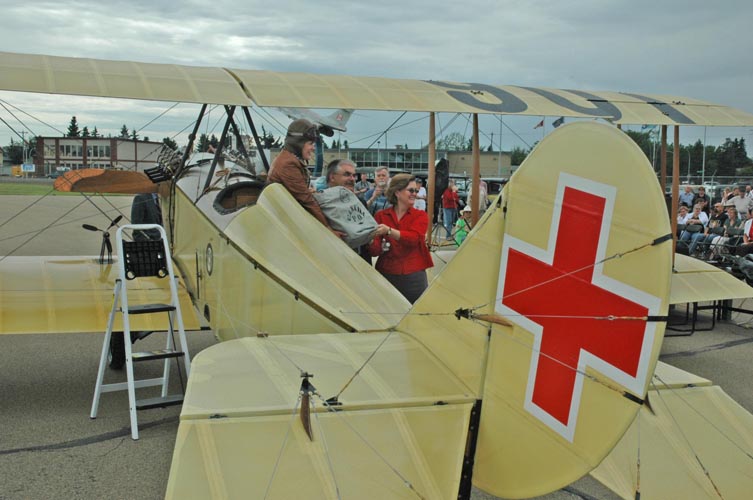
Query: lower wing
point(73, 295)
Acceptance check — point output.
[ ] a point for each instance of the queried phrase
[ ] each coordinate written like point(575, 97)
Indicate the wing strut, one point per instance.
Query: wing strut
point(256, 138)
point(217, 154)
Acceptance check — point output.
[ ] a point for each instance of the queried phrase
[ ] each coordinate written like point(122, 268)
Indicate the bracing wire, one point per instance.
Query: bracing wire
point(282, 446)
point(690, 446)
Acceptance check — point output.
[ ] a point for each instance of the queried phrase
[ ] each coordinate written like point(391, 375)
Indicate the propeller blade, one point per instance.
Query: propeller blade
point(115, 221)
point(89, 227)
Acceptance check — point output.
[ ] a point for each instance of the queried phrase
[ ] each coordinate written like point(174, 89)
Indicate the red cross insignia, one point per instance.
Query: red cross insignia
point(562, 297)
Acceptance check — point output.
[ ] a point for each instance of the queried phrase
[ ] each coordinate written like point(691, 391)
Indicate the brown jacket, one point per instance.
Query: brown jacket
point(289, 170)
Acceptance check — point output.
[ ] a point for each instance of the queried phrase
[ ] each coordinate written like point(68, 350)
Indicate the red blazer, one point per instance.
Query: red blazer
point(408, 255)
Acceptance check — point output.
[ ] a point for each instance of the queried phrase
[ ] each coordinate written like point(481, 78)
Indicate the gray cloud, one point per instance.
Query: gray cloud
point(693, 48)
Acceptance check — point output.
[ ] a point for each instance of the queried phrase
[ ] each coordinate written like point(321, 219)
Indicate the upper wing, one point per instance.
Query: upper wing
point(73, 295)
point(172, 82)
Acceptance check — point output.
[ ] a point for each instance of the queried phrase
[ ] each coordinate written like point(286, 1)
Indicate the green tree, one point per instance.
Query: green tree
point(203, 145)
point(517, 155)
point(124, 132)
point(134, 135)
point(732, 156)
point(95, 132)
point(73, 128)
point(85, 132)
point(643, 140)
point(454, 141)
point(345, 144)
point(214, 142)
point(167, 141)
point(490, 148)
point(14, 152)
point(269, 140)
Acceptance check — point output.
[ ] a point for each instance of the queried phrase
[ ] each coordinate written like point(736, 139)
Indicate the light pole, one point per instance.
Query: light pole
point(378, 144)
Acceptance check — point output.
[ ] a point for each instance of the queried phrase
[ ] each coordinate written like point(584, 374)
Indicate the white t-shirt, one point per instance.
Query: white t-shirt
point(420, 203)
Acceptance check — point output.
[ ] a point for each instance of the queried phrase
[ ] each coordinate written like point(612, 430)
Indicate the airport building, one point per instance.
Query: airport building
point(492, 163)
point(89, 152)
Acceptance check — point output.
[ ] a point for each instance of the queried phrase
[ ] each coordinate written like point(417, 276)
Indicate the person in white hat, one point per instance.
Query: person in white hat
point(463, 225)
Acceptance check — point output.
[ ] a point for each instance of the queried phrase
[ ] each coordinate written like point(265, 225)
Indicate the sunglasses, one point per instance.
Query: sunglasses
point(412, 190)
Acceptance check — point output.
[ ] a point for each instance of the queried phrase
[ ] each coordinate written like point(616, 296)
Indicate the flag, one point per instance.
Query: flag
point(540, 124)
point(559, 121)
point(650, 128)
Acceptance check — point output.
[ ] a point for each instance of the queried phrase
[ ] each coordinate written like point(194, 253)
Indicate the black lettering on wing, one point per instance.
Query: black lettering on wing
point(666, 109)
point(465, 93)
point(599, 107)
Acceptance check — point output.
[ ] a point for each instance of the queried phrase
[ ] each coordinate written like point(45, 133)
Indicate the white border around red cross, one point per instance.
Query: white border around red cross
point(635, 384)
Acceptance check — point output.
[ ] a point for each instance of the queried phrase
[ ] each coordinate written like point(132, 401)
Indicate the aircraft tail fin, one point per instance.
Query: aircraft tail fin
point(553, 309)
point(339, 118)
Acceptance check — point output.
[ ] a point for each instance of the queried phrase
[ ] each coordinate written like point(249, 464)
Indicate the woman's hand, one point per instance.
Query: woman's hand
point(382, 229)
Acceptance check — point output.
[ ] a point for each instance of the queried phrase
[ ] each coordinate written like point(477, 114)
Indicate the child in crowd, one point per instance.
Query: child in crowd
point(463, 225)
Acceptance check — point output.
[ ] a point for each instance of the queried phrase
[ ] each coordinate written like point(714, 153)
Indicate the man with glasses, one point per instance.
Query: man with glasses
point(341, 173)
point(376, 197)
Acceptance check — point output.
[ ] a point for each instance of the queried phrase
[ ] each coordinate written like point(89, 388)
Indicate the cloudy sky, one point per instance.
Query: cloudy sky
point(693, 48)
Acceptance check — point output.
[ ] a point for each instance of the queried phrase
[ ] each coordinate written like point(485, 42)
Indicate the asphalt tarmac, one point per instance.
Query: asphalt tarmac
point(50, 448)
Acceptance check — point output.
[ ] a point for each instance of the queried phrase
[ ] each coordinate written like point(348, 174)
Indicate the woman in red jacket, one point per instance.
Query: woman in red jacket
point(400, 241)
point(450, 202)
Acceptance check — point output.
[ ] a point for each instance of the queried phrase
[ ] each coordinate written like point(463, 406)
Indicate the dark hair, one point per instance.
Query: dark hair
point(398, 183)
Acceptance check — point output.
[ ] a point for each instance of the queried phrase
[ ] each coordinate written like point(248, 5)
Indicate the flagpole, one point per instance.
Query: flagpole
point(703, 164)
point(543, 127)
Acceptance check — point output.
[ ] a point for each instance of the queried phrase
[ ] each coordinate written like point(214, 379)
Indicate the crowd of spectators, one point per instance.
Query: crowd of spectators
point(709, 231)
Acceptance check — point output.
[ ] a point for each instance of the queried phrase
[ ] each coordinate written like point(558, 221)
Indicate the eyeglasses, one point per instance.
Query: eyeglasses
point(412, 190)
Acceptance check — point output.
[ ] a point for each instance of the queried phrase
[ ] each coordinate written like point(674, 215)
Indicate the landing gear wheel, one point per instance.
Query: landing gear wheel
point(116, 355)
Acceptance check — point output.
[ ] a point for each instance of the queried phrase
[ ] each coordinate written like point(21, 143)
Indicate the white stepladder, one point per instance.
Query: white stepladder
point(138, 259)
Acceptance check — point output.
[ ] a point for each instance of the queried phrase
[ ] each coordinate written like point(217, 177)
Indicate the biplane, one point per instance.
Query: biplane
point(518, 371)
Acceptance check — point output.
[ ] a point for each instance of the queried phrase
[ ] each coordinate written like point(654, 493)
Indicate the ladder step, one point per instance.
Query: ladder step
point(158, 354)
point(150, 308)
point(147, 404)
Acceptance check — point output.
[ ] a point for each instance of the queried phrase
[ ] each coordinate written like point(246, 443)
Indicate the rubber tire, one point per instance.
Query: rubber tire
point(116, 356)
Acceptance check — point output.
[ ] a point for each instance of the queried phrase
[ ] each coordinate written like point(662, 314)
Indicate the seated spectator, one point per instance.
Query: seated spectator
point(694, 223)
point(703, 199)
point(747, 245)
point(700, 241)
point(742, 203)
point(732, 234)
point(687, 197)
